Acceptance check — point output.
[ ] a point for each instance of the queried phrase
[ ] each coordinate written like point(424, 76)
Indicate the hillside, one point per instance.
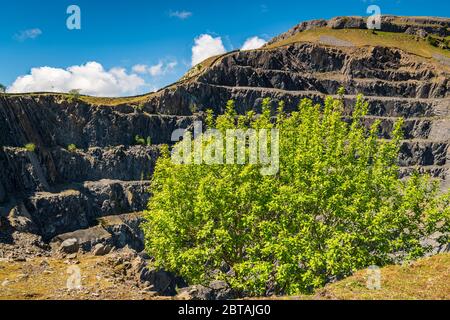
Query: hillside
point(425, 279)
point(93, 193)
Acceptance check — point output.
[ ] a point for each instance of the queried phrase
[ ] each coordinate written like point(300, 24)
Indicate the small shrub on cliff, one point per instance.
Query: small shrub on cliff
point(139, 140)
point(71, 148)
point(335, 206)
point(143, 142)
point(30, 147)
point(74, 95)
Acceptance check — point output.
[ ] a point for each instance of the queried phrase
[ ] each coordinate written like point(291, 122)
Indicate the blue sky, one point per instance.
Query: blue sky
point(154, 33)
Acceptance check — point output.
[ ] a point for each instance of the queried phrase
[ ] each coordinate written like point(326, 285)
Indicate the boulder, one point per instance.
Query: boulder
point(125, 230)
point(222, 291)
point(69, 246)
point(20, 219)
point(100, 249)
point(86, 238)
point(165, 283)
point(217, 290)
point(196, 292)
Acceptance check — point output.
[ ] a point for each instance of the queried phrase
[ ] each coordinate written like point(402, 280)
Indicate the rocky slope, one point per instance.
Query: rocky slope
point(92, 194)
point(119, 275)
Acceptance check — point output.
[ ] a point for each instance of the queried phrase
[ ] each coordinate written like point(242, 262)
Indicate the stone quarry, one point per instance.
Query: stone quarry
point(55, 201)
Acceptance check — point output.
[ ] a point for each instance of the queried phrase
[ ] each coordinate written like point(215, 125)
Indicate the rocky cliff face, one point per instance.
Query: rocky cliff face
point(53, 193)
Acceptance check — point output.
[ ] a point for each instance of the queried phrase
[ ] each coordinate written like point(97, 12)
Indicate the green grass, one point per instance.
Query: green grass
point(426, 279)
point(136, 101)
point(408, 43)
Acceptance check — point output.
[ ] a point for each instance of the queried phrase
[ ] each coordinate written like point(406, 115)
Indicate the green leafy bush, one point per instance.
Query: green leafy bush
point(72, 148)
point(336, 205)
point(139, 140)
point(142, 141)
point(30, 147)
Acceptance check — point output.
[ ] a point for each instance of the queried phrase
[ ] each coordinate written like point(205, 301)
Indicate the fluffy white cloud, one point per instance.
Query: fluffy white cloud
point(181, 14)
point(140, 68)
point(156, 70)
point(160, 69)
point(206, 46)
point(253, 43)
point(90, 78)
point(28, 34)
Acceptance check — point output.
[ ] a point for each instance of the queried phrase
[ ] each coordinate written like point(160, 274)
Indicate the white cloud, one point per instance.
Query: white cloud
point(206, 46)
point(159, 69)
point(253, 43)
point(172, 65)
point(156, 70)
point(140, 68)
point(90, 78)
point(28, 34)
point(180, 14)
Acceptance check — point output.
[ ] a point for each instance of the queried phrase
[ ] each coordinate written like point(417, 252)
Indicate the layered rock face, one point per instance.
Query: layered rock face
point(54, 193)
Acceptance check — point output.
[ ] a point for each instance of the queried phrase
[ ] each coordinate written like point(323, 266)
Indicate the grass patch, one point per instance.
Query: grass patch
point(135, 101)
point(424, 279)
point(409, 43)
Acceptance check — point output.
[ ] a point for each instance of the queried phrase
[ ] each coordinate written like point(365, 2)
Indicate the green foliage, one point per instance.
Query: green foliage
point(442, 43)
point(341, 93)
point(143, 142)
point(432, 41)
point(30, 147)
point(336, 205)
point(72, 148)
point(74, 94)
point(139, 140)
point(2, 88)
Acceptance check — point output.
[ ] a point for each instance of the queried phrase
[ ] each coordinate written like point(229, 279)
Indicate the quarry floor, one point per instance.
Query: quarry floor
point(45, 278)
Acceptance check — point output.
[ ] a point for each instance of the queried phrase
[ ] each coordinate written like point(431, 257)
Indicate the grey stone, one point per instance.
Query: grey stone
point(86, 238)
point(221, 290)
point(196, 292)
point(101, 249)
point(69, 246)
point(21, 220)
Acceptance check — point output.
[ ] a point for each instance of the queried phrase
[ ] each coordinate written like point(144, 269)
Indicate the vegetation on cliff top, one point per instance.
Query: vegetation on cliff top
point(336, 206)
point(409, 43)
